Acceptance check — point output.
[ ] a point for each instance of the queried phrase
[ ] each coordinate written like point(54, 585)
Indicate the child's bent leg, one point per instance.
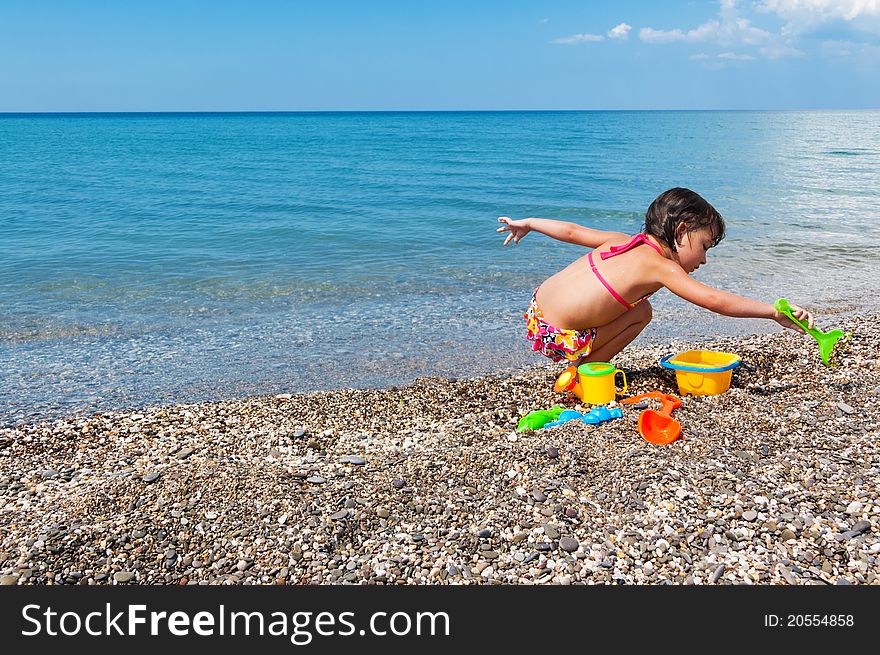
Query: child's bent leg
point(616, 335)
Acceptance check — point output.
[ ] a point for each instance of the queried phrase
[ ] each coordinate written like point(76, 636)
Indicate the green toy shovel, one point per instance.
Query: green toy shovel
point(826, 340)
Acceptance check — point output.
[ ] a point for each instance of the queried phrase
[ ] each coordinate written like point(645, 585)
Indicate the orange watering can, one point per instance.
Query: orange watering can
point(658, 427)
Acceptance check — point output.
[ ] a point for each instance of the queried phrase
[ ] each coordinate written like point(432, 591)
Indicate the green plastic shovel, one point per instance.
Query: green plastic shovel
point(826, 340)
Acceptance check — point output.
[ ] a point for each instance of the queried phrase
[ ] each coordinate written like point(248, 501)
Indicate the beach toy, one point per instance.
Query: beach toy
point(658, 427)
point(826, 340)
point(539, 418)
point(601, 414)
point(565, 417)
point(595, 415)
point(568, 381)
point(702, 372)
point(592, 382)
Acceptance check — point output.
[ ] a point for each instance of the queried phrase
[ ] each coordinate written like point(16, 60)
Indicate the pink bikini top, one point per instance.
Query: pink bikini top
point(637, 240)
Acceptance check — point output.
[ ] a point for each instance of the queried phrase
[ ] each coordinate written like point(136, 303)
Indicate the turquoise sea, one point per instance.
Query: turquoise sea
point(157, 258)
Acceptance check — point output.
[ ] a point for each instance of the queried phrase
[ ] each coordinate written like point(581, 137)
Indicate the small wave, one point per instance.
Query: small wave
point(851, 152)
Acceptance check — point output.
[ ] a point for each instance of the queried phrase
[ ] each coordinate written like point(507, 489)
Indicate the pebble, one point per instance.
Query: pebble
point(552, 452)
point(716, 575)
point(846, 409)
point(750, 515)
point(353, 459)
point(151, 477)
point(7, 580)
point(539, 496)
point(789, 578)
point(341, 514)
point(550, 531)
point(316, 479)
point(860, 527)
point(399, 484)
point(569, 544)
point(123, 576)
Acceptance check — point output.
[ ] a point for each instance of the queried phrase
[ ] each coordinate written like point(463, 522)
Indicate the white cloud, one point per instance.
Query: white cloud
point(579, 38)
point(728, 31)
point(804, 16)
point(821, 10)
point(731, 34)
point(779, 50)
point(719, 61)
point(619, 31)
point(726, 56)
point(650, 35)
point(708, 31)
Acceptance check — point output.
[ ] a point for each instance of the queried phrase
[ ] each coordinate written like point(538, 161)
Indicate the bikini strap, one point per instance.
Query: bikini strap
point(611, 290)
point(632, 243)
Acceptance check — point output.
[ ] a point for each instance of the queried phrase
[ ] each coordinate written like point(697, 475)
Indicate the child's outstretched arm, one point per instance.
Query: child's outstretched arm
point(674, 278)
point(559, 230)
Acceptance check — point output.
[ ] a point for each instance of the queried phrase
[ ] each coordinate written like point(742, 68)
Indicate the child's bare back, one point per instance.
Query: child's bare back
point(575, 298)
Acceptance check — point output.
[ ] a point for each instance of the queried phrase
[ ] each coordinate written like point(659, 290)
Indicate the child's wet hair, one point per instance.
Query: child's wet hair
point(680, 205)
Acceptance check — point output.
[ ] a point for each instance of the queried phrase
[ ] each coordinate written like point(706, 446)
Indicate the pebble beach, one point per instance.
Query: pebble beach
point(774, 482)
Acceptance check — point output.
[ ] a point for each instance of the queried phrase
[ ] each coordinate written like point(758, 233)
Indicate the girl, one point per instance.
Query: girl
point(590, 310)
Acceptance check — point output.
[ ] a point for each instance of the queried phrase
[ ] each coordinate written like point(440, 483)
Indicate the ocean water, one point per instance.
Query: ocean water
point(157, 258)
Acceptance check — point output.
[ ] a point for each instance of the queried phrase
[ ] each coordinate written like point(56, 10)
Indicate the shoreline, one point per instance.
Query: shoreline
point(46, 393)
point(773, 482)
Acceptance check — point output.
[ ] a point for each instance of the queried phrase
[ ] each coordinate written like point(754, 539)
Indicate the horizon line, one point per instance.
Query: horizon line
point(408, 111)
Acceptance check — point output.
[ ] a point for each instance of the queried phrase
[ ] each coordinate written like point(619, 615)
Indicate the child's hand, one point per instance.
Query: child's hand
point(799, 313)
point(517, 229)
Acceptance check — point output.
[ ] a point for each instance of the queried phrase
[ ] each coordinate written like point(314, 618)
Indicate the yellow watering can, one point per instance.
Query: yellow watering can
point(593, 382)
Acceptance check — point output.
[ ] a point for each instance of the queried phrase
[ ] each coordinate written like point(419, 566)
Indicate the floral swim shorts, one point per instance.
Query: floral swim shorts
point(553, 342)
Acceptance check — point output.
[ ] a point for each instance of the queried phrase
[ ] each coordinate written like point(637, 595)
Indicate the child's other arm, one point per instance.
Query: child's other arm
point(721, 302)
point(559, 230)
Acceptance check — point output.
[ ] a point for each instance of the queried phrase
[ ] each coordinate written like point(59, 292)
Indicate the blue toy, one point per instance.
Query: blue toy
point(601, 414)
point(596, 415)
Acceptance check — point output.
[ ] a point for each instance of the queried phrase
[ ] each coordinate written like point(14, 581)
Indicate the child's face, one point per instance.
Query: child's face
point(692, 247)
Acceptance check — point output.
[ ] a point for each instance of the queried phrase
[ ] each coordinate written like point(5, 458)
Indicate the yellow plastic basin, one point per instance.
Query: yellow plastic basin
point(702, 372)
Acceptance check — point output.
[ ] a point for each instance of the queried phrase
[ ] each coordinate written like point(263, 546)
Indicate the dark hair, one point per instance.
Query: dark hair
point(681, 206)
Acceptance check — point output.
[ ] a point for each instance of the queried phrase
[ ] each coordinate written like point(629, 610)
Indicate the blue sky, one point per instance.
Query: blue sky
point(230, 55)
